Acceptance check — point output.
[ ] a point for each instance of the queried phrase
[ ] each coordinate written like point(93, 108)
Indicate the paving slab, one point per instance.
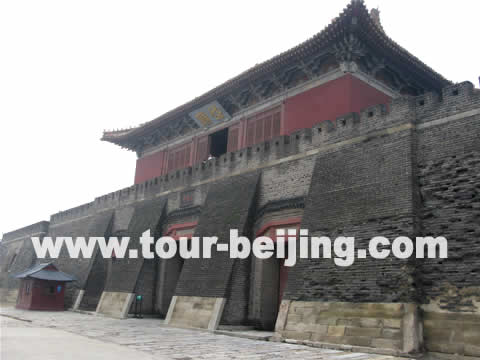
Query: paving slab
point(147, 338)
point(23, 341)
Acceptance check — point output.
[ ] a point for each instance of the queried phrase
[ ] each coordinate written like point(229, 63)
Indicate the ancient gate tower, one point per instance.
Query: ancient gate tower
point(345, 134)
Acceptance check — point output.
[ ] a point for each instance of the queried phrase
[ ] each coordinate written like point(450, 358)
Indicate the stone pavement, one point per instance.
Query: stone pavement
point(151, 338)
point(23, 341)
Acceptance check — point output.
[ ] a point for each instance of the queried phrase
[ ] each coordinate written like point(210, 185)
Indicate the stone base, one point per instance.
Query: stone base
point(195, 312)
point(452, 333)
point(443, 356)
point(389, 326)
point(115, 304)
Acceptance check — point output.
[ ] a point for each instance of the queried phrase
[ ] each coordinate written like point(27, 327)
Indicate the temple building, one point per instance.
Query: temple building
point(346, 134)
point(347, 67)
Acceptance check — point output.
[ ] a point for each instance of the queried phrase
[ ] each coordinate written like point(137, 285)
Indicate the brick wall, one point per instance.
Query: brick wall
point(169, 272)
point(210, 277)
point(97, 272)
point(78, 267)
point(147, 215)
point(360, 190)
point(229, 205)
point(145, 287)
point(410, 168)
point(93, 224)
point(95, 283)
point(16, 255)
point(449, 169)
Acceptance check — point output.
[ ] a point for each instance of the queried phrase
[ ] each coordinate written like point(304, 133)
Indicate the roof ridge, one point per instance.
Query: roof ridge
point(243, 73)
point(353, 8)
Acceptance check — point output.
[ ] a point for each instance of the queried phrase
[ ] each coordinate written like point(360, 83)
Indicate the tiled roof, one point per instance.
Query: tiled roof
point(354, 18)
point(38, 272)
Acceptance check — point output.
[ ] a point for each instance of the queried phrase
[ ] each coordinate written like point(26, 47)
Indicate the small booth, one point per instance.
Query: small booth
point(42, 287)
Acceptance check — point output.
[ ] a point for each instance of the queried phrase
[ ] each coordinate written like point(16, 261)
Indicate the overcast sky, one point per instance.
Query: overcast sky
point(69, 69)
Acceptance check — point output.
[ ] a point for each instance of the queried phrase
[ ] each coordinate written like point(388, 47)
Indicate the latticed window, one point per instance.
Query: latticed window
point(264, 126)
point(179, 158)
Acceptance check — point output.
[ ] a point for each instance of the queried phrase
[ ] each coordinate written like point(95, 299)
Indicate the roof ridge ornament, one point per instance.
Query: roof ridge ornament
point(375, 15)
point(348, 51)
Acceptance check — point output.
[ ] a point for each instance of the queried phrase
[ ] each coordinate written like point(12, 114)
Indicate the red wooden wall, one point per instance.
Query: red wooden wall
point(324, 102)
point(179, 157)
point(39, 296)
point(150, 166)
point(263, 126)
point(329, 101)
point(24, 297)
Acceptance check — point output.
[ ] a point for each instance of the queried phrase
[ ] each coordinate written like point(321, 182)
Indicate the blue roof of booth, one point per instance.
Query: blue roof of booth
point(39, 272)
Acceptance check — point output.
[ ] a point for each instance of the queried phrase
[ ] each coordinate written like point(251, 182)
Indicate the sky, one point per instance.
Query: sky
point(70, 69)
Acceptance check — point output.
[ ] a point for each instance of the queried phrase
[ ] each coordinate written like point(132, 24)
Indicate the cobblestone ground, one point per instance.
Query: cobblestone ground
point(150, 336)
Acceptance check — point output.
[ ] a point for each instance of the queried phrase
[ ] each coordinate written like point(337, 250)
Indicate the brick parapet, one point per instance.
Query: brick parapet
point(454, 99)
point(38, 228)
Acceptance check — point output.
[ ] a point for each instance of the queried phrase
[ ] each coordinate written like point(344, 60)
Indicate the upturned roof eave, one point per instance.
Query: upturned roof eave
point(38, 272)
point(323, 39)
